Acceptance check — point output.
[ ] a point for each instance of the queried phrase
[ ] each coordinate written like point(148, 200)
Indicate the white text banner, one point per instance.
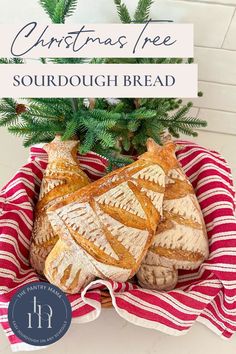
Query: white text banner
point(149, 40)
point(99, 80)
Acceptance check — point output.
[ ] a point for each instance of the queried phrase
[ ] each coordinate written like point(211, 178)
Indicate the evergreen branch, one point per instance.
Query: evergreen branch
point(107, 140)
point(71, 128)
point(49, 7)
point(143, 10)
point(143, 113)
point(10, 104)
point(31, 114)
point(115, 159)
point(43, 60)
point(88, 142)
point(7, 120)
point(31, 138)
point(185, 130)
point(126, 143)
point(155, 130)
point(68, 60)
point(70, 7)
point(133, 125)
point(74, 104)
point(107, 116)
point(186, 121)
point(173, 132)
point(140, 137)
point(51, 101)
point(4, 61)
point(122, 11)
point(58, 107)
point(58, 10)
point(97, 61)
point(11, 61)
point(58, 15)
point(182, 111)
point(19, 129)
point(8, 113)
point(29, 128)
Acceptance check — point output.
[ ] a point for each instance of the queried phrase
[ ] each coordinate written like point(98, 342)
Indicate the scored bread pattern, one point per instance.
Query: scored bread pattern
point(109, 224)
point(155, 273)
point(180, 241)
point(61, 177)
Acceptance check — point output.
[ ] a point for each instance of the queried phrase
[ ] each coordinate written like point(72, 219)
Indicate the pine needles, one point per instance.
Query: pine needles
point(141, 14)
point(8, 112)
point(58, 10)
point(108, 129)
point(143, 10)
point(11, 61)
point(122, 11)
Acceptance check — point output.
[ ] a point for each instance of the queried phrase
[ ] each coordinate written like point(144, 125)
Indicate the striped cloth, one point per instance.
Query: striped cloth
point(207, 295)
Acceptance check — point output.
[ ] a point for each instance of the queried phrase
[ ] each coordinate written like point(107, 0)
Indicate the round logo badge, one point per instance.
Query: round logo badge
point(39, 314)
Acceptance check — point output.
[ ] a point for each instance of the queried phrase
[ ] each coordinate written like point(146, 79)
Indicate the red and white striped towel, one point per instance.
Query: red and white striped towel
point(207, 295)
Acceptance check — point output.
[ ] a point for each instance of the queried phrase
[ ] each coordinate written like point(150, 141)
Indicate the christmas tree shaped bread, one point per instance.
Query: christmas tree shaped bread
point(61, 177)
point(181, 240)
point(109, 225)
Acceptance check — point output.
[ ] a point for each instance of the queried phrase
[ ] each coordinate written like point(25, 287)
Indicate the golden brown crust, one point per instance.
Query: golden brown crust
point(111, 222)
point(177, 254)
point(103, 185)
point(152, 214)
point(67, 186)
point(178, 189)
point(61, 177)
point(163, 156)
point(182, 221)
point(126, 218)
point(71, 273)
point(126, 260)
point(155, 155)
point(155, 187)
point(180, 240)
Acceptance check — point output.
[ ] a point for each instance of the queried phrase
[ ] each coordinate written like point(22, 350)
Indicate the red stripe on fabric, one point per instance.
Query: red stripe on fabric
point(147, 315)
point(171, 308)
point(82, 311)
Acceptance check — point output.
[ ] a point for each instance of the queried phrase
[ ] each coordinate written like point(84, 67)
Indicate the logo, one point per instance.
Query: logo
point(39, 314)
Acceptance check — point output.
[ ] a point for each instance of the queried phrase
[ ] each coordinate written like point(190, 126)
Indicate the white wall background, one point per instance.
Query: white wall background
point(215, 51)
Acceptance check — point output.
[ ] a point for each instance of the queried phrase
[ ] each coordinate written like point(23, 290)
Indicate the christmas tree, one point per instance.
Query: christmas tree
point(114, 128)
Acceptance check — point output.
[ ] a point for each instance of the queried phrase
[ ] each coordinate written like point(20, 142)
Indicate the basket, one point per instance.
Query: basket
point(206, 295)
